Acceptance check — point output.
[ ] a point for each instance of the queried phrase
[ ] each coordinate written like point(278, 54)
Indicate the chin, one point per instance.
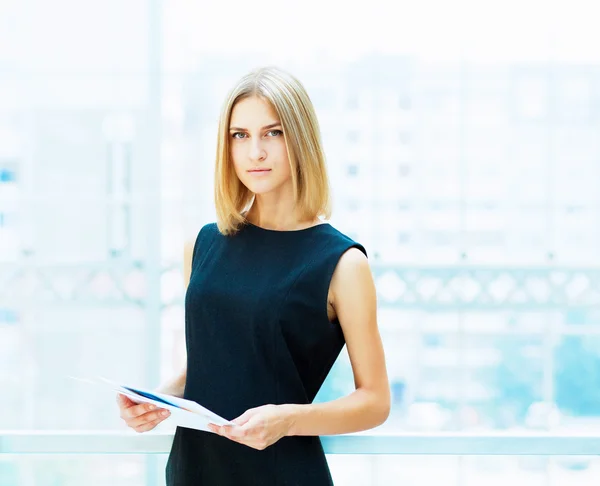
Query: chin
point(267, 185)
point(260, 188)
point(260, 191)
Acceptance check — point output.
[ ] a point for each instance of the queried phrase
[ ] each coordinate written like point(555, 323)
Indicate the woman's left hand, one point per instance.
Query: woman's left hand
point(257, 427)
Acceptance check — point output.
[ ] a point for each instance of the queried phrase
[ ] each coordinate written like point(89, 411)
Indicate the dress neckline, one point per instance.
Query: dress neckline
point(302, 230)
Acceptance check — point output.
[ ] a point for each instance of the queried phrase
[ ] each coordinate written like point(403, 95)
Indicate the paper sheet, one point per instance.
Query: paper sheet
point(184, 413)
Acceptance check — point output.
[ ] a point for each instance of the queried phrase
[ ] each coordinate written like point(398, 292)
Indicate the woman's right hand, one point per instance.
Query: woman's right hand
point(141, 417)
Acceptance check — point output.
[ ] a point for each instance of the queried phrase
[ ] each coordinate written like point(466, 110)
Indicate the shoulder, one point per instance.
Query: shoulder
point(209, 228)
point(208, 231)
point(352, 269)
point(352, 281)
point(205, 235)
point(340, 242)
point(352, 266)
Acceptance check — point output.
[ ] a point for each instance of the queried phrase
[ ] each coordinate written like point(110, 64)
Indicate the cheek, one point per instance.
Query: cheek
point(234, 151)
point(283, 168)
point(283, 164)
point(236, 160)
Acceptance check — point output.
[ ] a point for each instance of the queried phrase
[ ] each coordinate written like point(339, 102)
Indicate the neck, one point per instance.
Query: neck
point(280, 216)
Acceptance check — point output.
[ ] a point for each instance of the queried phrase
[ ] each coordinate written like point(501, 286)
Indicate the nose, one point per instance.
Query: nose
point(257, 152)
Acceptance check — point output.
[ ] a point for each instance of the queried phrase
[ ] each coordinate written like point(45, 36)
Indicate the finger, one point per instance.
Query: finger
point(239, 440)
point(248, 442)
point(247, 415)
point(233, 431)
point(148, 425)
point(244, 440)
point(160, 415)
point(137, 410)
point(220, 430)
point(124, 400)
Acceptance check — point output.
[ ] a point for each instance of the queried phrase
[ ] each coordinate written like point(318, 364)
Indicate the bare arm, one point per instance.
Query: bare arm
point(369, 405)
point(175, 385)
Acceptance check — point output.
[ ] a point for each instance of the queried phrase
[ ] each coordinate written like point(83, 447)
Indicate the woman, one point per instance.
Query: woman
point(274, 294)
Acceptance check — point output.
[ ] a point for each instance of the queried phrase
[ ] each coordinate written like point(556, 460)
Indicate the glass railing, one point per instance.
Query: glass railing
point(94, 458)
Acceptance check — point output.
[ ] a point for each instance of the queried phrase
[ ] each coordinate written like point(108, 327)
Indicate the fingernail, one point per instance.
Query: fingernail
point(164, 413)
point(151, 407)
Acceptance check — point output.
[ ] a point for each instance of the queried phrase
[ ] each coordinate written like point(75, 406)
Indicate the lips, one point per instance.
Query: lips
point(259, 170)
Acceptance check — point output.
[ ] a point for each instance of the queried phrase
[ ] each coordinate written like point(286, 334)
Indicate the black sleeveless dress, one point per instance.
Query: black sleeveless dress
point(257, 333)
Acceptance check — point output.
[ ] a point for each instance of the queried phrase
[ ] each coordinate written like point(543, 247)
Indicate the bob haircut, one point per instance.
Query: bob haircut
point(303, 143)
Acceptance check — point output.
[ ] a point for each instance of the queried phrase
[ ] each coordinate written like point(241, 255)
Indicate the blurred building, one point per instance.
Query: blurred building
point(431, 165)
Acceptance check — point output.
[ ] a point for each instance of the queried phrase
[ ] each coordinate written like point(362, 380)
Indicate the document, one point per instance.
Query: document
point(184, 413)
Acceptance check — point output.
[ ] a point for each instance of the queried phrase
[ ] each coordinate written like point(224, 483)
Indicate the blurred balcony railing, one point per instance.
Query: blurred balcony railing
point(38, 284)
point(448, 443)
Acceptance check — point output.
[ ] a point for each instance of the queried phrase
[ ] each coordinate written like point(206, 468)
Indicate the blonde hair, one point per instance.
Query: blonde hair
point(303, 143)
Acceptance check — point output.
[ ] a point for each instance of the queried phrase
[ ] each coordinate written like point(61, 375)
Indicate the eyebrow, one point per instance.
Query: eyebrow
point(276, 124)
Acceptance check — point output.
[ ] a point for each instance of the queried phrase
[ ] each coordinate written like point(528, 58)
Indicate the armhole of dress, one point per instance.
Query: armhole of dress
point(194, 251)
point(331, 270)
point(194, 263)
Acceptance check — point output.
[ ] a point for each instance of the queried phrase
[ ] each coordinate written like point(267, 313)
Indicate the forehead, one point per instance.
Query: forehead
point(253, 111)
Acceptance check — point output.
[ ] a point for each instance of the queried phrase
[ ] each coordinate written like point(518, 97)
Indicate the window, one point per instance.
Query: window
point(432, 340)
point(403, 238)
point(484, 238)
point(574, 99)
point(352, 102)
point(353, 205)
point(531, 96)
point(352, 136)
point(7, 219)
point(322, 97)
point(404, 170)
point(404, 103)
point(442, 238)
point(8, 316)
point(7, 175)
point(404, 137)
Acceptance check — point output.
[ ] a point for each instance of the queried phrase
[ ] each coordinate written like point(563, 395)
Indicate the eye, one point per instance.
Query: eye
point(279, 132)
point(233, 135)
